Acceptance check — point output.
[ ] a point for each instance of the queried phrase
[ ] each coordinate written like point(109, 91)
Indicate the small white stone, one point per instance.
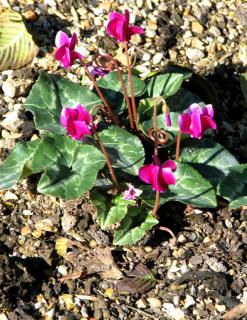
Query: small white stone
point(68, 222)
point(155, 303)
point(182, 238)
point(9, 196)
point(157, 58)
point(141, 304)
point(62, 270)
point(220, 308)
point(11, 121)
point(146, 57)
point(189, 301)
point(194, 54)
point(27, 213)
point(9, 88)
point(174, 313)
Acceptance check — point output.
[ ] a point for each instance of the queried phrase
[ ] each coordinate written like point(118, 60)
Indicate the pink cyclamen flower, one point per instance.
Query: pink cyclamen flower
point(118, 27)
point(132, 193)
point(168, 120)
point(196, 120)
point(159, 176)
point(77, 121)
point(66, 49)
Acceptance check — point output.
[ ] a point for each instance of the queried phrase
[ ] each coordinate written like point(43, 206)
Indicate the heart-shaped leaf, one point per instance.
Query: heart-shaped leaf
point(125, 149)
point(190, 188)
point(16, 44)
point(14, 166)
point(210, 158)
point(112, 89)
point(109, 212)
point(164, 84)
point(234, 186)
point(134, 226)
point(69, 167)
point(50, 94)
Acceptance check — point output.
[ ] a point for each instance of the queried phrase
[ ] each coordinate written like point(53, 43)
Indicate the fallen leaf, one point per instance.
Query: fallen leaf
point(139, 281)
point(238, 312)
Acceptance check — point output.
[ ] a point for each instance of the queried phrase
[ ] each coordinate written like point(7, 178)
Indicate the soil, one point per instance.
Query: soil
point(201, 276)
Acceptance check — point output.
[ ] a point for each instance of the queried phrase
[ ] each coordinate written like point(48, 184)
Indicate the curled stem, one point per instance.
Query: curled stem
point(107, 106)
point(178, 146)
point(108, 161)
point(131, 84)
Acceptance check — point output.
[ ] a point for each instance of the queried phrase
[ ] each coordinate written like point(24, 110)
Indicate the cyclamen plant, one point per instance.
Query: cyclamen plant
point(135, 142)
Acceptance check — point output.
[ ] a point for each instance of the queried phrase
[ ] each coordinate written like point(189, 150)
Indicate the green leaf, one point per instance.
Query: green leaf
point(109, 212)
point(234, 186)
point(125, 149)
point(177, 104)
point(190, 188)
point(243, 85)
point(50, 94)
point(113, 91)
point(14, 166)
point(71, 167)
point(16, 44)
point(210, 158)
point(164, 85)
point(134, 226)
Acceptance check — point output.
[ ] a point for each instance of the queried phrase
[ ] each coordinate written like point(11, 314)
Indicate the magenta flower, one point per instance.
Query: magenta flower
point(159, 176)
point(118, 27)
point(96, 71)
point(66, 49)
point(168, 120)
point(77, 121)
point(132, 193)
point(196, 120)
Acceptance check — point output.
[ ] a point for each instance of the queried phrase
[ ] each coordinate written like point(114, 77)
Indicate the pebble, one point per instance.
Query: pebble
point(174, 313)
point(68, 222)
point(194, 54)
point(196, 27)
point(9, 88)
point(157, 58)
point(220, 307)
point(11, 121)
point(182, 238)
point(155, 303)
point(146, 57)
point(141, 304)
point(8, 196)
point(189, 301)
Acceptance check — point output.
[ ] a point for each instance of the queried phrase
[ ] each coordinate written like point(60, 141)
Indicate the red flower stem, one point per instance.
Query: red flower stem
point(132, 126)
point(155, 127)
point(131, 84)
point(107, 106)
point(156, 205)
point(178, 146)
point(108, 161)
point(169, 231)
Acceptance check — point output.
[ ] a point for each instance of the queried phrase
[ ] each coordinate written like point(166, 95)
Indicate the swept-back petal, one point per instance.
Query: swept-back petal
point(149, 174)
point(83, 114)
point(184, 121)
point(196, 127)
point(66, 60)
point(208, 110)
point(134, 30)
point(165, 178)
point(80, 130)
point(60, 52)
point(121, 36)
point(76, 55)
point(169, 164)
point(126, 18)
point(61, 39)
point(116, 16)
point(66, 114)
point(194, 108)
point(73, 41)
point(207, 123)
point(112, 27)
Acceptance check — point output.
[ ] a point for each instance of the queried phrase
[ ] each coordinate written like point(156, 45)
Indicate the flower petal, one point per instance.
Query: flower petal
point(169, 164)
point(126, 17)
point(81, 129)
point(116, 16)
point(61, 39)
point(66, 114)
point(168, 121)
point(194, 108)
point(165, 178)
point(134, 30)
point(196, 127)
point(120, 32)
point(60, 52)
point(66, 60)
point(83, 114)
point(184, 122)
point(149, 174)
point(73, 41)
point(208, 123)
point(208, 110)
point(112, 27)
point(76, 55)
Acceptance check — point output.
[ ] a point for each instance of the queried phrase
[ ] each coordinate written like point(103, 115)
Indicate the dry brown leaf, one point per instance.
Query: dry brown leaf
point(238, 312)
point(102, 262)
